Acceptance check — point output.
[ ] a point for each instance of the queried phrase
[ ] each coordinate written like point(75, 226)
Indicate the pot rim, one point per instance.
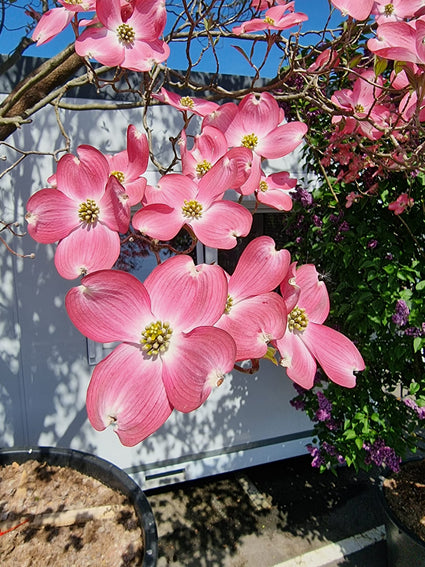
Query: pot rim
point(393, 517)
point(105, 472)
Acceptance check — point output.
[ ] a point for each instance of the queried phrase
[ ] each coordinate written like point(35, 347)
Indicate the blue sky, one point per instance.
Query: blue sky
point(230, 61)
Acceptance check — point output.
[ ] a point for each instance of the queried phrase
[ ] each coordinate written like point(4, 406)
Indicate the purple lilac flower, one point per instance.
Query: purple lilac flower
point(317, 458)
point(344, 227)
point(330, 449)
point(380, 454)
point(298, 404)
point(372, 243)
point(401, 313)
point(303, 196)
point(334, 218)
point(413, 331)
point(317, 221)
point(324, 413)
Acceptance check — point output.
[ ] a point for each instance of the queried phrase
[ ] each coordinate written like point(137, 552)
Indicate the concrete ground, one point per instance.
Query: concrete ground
point(283, 514)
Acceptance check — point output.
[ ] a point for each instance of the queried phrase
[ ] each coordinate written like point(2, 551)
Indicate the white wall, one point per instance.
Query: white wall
point(44, 371)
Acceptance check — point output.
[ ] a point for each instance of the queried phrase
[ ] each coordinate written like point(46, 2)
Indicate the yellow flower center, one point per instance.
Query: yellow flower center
point(359, 108)
point(88, 211)
point(297, 319)
point(229, 304)
point(119, 175)
point(192, 209)
point(156, 338)
point(187, 102)
point(74, 2)
point(389, 9)
point(250, 141)
point(126, 34)
point(263, 186)
point(203, 167)
point(268, 20)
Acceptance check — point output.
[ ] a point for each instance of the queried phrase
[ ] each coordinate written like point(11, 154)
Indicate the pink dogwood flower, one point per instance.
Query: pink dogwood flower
point(368, 117)
point(256, 124)
point(255, 314)
point(307, 339)
point(178, 200)
point(357, 9)
point(85, 213)
point(198, 106)
point(129, 165)
point(274, 190)
point(54, 21)
point(402, 202)
point(128, 41)
point(209, 146)
point(170, 354)
point(279, 18)
point(395, 10)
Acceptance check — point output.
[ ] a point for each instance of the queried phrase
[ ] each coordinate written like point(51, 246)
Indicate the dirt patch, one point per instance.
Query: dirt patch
point(405, 495)
point(70, 519)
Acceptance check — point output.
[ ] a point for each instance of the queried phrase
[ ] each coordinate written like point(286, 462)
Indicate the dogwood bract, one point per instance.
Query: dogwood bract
point(170, 357)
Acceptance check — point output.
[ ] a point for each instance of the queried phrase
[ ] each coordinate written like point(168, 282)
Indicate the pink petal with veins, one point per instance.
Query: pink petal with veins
point(87, 249)
point(206, 354)
point(127, 391)
point(99, 307)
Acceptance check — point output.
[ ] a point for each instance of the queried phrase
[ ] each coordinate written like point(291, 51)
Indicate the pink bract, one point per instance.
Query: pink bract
point(307, 339)
point(131, 42)
point(54, 21)
point(129, 165)
point(85, 212)
point(255, 314)
point(170, 357)
point(358, 9)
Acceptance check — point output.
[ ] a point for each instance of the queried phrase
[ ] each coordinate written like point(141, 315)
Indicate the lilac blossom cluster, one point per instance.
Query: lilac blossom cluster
point(381, 455)
point(401, 313)
point(318, 454)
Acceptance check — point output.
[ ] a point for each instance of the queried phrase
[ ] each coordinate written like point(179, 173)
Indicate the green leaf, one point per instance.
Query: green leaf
point(359, 443)
point(420, 285)
point(380, 65)
point(350, 434)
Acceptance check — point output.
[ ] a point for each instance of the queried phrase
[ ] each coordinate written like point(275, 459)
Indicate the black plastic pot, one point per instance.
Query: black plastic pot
point(103, 471)
point(404, 548)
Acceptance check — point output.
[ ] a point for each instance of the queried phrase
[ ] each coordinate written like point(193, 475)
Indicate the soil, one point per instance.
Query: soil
point(405, 495)
point(101, 525)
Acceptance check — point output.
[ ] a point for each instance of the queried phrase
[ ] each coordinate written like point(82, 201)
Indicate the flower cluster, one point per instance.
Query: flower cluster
point(360, 110)
point(124, 34)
